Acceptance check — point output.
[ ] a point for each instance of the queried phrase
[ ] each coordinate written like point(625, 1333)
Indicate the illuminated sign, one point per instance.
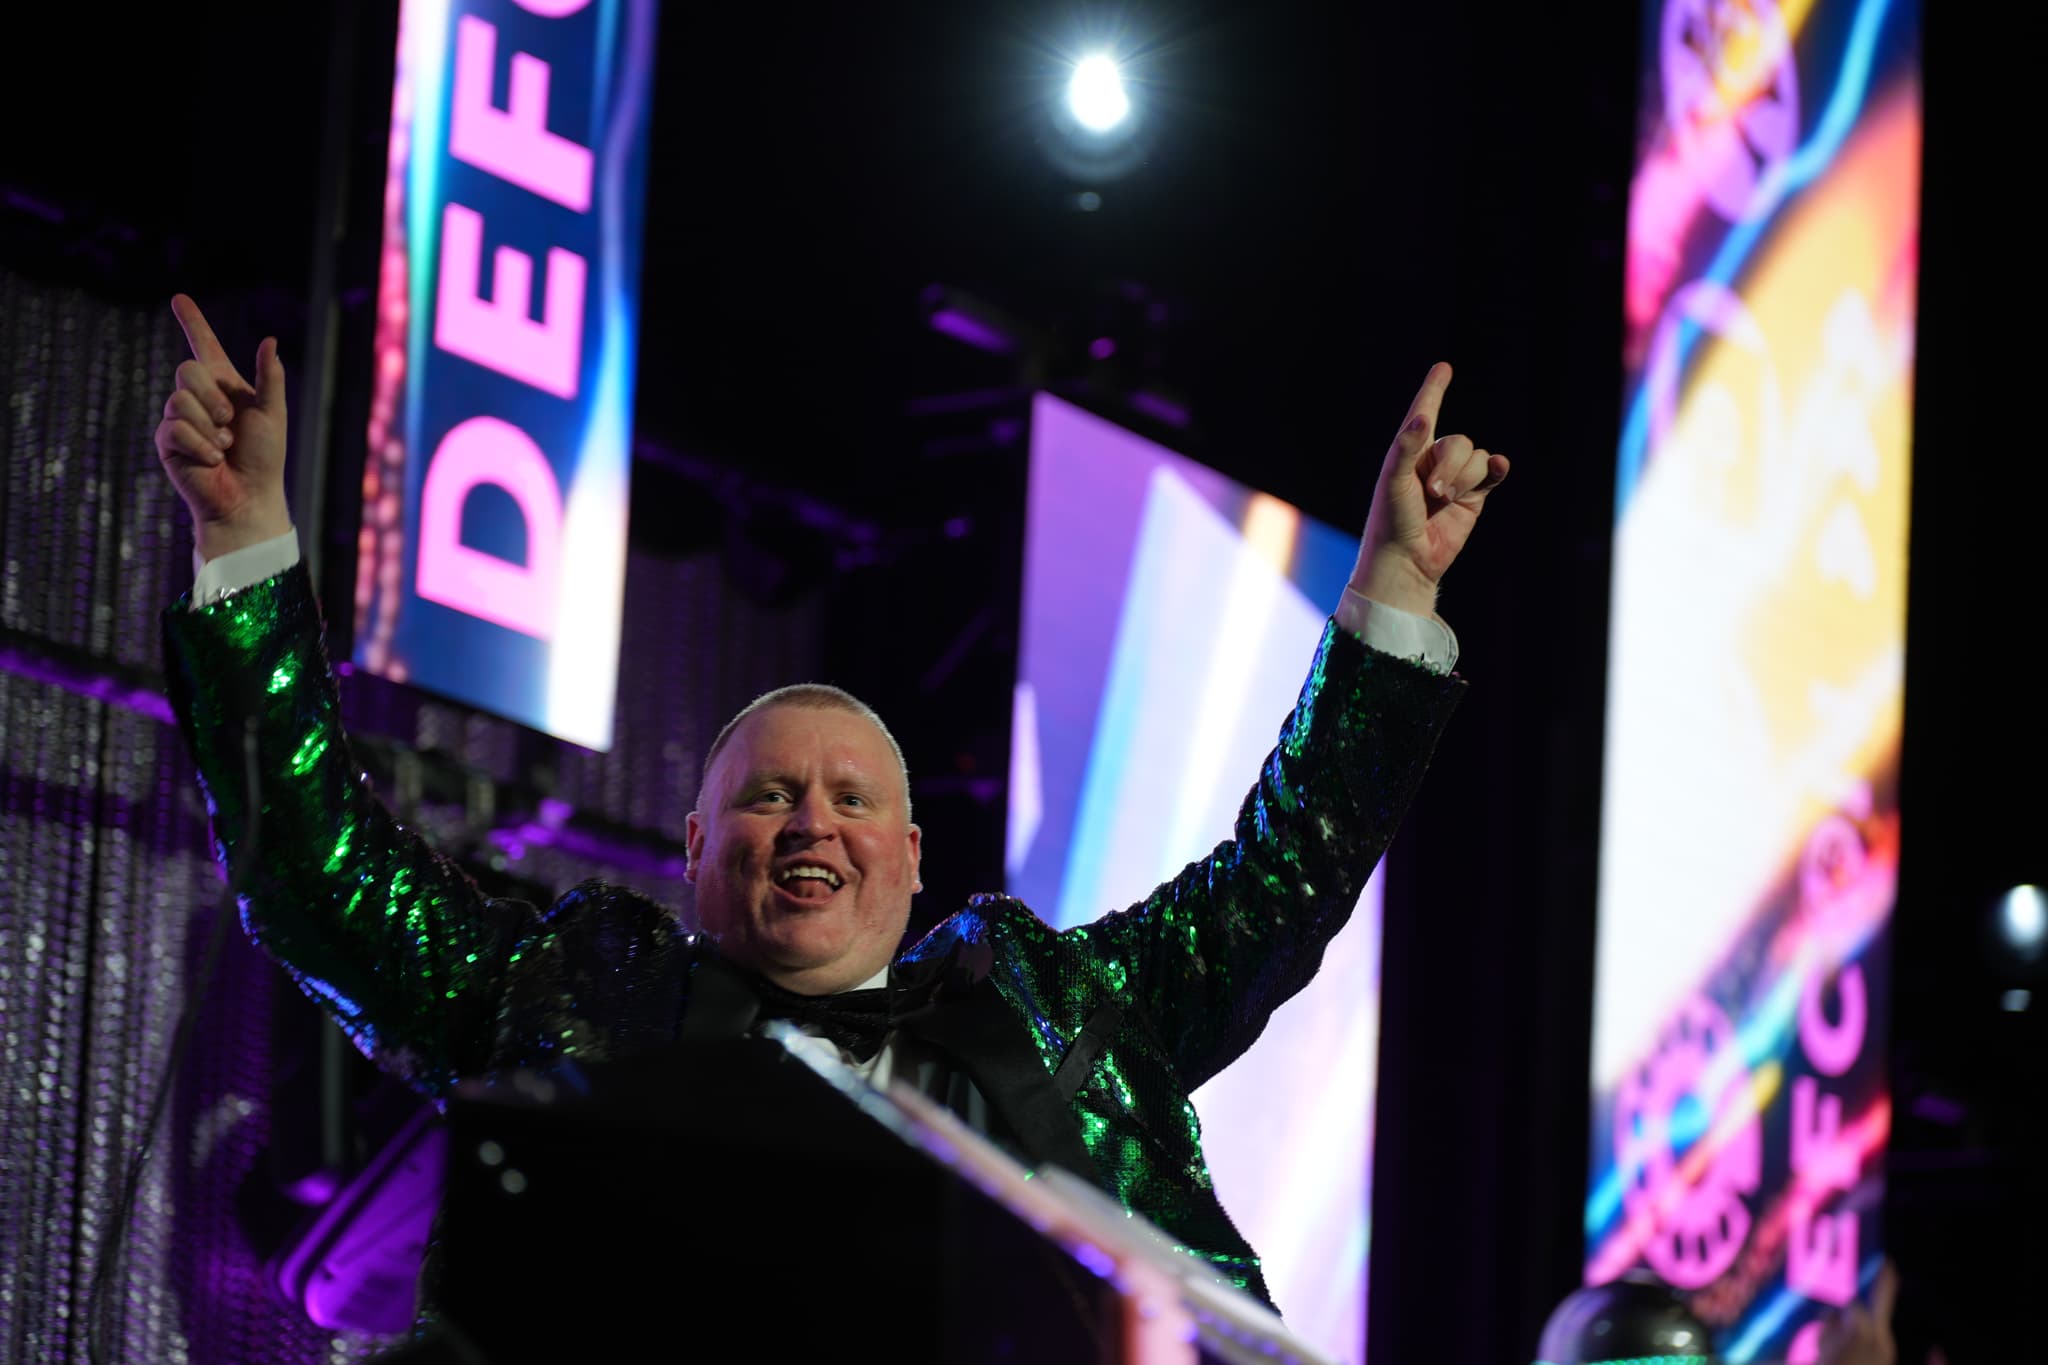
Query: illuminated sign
point(1750, 823)
point(1169, 618)
point(491, 558)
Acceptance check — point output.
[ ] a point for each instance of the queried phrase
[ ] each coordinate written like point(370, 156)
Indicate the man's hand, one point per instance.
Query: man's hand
point(1430, 494)
point(1856, 1336)
point(222, 440)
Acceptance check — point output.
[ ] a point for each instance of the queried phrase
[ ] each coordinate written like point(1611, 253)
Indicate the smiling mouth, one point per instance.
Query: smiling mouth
point(808, 885)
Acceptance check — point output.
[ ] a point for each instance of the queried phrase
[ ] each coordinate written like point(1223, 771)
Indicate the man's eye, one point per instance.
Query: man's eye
point(854, 798)
point(770, 796)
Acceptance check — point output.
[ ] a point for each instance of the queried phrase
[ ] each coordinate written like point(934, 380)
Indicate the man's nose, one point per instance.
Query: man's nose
point(811, 817)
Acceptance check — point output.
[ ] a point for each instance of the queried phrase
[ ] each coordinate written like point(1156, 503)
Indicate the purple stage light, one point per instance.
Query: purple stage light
point(47, 663)
point(354, 1267)
point(954, 314)
point(314, 1188)
point(1939, 1109)
point(1160, 409)
point(972, 330)
point(30, 204)
point(608, 851)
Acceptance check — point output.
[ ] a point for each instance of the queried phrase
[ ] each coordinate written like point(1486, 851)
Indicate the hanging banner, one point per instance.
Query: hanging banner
point(1750, 829)
point(491, 558)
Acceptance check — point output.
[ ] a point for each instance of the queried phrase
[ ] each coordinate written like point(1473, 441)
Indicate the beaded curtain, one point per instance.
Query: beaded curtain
point(107, 888)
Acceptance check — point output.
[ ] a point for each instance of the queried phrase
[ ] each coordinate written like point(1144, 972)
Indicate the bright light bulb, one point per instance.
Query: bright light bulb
point(2024, 919)
point(1096, 94)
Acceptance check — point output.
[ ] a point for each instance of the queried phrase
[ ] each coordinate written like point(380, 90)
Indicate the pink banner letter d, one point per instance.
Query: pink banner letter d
point(518, 597)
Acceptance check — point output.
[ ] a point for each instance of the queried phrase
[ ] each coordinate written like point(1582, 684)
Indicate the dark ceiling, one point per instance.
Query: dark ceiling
point(1330, 201)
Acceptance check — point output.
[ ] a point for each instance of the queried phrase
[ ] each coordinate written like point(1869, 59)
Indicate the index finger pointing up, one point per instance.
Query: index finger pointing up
point(1428, 399)
point(206, 347)
point(1418, 428)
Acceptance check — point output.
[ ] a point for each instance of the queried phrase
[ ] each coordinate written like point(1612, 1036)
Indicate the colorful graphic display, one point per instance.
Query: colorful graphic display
point(491, 558)
point(1169, 618)
point(1750, 834)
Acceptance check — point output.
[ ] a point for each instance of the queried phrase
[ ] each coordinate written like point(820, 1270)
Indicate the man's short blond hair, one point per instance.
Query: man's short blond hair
point(806, 697)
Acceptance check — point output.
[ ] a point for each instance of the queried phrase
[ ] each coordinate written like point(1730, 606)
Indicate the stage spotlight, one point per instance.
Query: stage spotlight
point(1096, 95)
point(963, 317)
point(1099, 119)
point(2023, 921)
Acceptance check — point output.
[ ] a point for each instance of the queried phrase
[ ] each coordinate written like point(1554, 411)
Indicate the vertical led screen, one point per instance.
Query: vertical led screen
point(1169, 618)
point(491, 557)
point(1750, 829)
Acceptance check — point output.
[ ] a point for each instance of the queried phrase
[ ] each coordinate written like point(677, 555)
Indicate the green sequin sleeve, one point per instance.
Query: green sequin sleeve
point(1211, 954)
point(390, 937)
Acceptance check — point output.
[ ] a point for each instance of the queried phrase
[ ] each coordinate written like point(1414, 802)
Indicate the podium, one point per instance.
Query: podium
point(752, 1199)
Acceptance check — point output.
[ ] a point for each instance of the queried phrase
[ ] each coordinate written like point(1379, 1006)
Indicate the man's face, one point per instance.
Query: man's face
point(803, 854)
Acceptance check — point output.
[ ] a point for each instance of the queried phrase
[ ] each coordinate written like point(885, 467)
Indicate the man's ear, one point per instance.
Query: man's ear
point(916, 858)
point(693, 842)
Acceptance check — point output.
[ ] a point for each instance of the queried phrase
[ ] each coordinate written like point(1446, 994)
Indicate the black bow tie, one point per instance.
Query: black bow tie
point(855, 1021)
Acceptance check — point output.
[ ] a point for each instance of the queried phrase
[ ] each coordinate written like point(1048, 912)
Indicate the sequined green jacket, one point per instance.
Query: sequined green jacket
point(437, 982)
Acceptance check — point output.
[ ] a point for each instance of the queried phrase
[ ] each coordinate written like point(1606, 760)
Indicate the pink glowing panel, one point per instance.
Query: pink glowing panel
point(491, 557)
point(498, 333)
point(520, 596)
point(1700, 1221)
point(514, 143)
point(1750, 828)
point(1731, 97)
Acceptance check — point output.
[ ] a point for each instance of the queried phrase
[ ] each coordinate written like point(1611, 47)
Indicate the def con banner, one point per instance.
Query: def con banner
point(492, 552)
point(1750, 838)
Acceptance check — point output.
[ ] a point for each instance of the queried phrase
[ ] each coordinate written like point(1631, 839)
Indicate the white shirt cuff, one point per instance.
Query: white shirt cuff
point(1419, 639)
point(1423, 640)
point(213, 579)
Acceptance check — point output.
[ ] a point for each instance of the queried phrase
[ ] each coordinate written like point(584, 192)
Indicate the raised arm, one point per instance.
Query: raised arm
point(391, 938)
point(1211, 954)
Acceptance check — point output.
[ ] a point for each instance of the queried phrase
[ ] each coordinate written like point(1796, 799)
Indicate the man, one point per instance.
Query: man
point(1078, 1048)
